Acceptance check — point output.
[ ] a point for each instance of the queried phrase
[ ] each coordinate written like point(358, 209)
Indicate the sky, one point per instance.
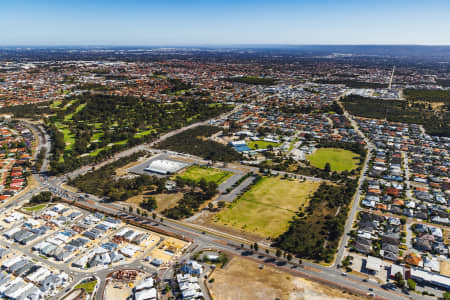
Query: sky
point(231, 22)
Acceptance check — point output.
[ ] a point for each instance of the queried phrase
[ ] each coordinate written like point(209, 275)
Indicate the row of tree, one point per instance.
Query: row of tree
point(315, 232)
point(427, 95)
point(193, 141)
point(104, 183)
point(435, 123)
point(43, 197)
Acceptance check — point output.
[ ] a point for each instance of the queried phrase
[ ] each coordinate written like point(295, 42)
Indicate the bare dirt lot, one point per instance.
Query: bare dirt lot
point(445, 268)
point(242, 279)
point(163, 201)
point(117, 290)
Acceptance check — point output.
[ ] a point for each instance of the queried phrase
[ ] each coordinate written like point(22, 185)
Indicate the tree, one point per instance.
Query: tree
point(447, 295)
point(399, 280)
point(153, 216)
point(345, 262)
point(149, 204)
point(255, 246)
point(289, 257)
point(278, 253)
point(221, 204)
point(210, 206)
point(398, 276)
point(41, 197)
point(130, 209)
point(327, 167)
point(411, 284)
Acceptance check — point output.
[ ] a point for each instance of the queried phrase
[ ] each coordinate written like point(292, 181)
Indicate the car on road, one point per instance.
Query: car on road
point(388, 286)
point(344, 274)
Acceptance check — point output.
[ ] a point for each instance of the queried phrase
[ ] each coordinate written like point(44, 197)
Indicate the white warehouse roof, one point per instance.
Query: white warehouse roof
point(165, 166)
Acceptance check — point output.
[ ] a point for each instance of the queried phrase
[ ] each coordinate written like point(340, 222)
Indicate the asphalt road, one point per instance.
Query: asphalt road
point(217, 240)
point(352, 214)
point(233, 194)
point(137, 148)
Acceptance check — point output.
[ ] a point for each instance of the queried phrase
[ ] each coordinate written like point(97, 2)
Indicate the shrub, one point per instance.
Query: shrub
point(411, 284)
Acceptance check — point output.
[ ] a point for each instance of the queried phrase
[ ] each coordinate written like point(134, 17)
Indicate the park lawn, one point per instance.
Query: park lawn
point(55, 104)
point(68, 104)
point(266, 209)
point(144, 133)
point(69, 116)
point(88, 287)
point(69, 138)
point(339, 159)
point(198, 173)
point(35, 208)
point(123, 142)
point(97, 151)
point(215, 105)
point(96, 136)
point(261, 144)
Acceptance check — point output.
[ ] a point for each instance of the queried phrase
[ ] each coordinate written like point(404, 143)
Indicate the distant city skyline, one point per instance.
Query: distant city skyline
point(209, 23)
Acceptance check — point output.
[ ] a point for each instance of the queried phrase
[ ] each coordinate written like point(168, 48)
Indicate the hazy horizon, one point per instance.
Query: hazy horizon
point(219, 23)
point(212, 45)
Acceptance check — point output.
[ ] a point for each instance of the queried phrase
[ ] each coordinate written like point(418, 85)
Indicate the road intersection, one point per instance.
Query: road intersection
point(203, 238)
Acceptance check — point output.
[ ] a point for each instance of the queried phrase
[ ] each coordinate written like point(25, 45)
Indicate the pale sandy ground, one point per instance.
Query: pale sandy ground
point(117, 290)
point(121, 293)
point(445, 268)
point(242, 279)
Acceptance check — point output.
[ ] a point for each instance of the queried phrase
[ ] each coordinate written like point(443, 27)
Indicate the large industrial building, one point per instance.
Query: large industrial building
point(165, 166)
